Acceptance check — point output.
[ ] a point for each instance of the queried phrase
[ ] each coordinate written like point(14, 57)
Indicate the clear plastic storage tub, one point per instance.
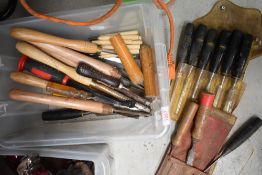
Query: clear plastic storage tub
point(98, 154)
point(21, 124)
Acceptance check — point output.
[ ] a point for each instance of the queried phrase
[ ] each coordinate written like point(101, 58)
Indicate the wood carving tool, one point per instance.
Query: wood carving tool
point(237, 72)
point(148, 69)
point(131, 67)
point(216, 59)
point(48, 73)
point(71, 103)
point(73, 58)
point(51, 87)
point(31, 35)
point(125, 37)
point(127, 42)
point(238, 138)
point(194, 54)
point(42, 57)
point(206, 53)
point(227, 62)
point(206, 102)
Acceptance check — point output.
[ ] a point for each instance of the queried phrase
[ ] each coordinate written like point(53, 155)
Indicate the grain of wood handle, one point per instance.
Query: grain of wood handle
point(84, 105)
point(30, 35)
point(148, 68)
point(130, 65)
point(73, 58)
point(24, 78)
point(42, 57)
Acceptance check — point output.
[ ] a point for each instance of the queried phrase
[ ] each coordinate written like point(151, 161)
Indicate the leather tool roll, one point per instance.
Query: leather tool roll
point(130, 65)
point(148, 68)
point(84, 105)
point(30, 35)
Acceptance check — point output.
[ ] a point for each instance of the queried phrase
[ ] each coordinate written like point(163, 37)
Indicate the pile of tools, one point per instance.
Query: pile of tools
point(74, 77)
point(213, 62)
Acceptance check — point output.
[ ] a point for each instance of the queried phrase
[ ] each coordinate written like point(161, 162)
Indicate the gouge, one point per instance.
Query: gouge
point(130, 65)
point(48, 73)
point(71, 103)
point(226, 66)
point(42, 57)
point(73, 58)
point(238, 138)
point(31, 35)
point(237, 72)
point(219, 53)
point(51, 87)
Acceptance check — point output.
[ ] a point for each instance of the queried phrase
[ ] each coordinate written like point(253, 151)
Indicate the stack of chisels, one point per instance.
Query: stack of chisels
point(73, 76)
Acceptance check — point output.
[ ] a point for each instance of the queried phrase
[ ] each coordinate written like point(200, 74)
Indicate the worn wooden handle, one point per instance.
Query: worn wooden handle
point(84, 105)
point(27, 79)
point(130, 65)
point(73, 58)
point(148, 68)
point(42, 57)
point(26, 34)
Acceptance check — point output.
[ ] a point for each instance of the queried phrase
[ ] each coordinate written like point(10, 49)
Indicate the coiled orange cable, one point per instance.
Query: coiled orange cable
point(159, 3)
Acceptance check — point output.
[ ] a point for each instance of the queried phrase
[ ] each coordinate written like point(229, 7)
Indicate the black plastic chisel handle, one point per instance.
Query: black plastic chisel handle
point(197, 44)
point(242, 134)
point(61, 114)
point(232, 51)
point(185, 43)
point(220, 51)
point(88, 71)
point(208, 48)
point(241, 60)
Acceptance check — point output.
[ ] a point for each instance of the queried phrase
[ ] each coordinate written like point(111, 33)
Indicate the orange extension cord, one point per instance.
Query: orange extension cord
point(159, 3)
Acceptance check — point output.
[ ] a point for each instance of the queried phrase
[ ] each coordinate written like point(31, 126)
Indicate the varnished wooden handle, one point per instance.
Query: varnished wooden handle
point(148, 68)
point(84, 105)
point(42, 57)
point(26, 34)
point(73, 58)
point(27, 79)
point(125, 37)
point(128, 42)
point(130, 65)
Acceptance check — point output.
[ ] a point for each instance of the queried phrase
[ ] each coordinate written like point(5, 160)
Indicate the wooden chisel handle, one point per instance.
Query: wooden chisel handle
point(148, 68)
point(133, 70)
point(71, 103)
point(73, 58)
point(30, 35)
point(42, 57)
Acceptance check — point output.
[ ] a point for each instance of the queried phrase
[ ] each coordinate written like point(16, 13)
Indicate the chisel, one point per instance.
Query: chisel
point(31, 35)
point(42, 57)
point(71, 103)
point(218, 55)
point(206, 53)
point(227, 62)
point(237, 72)
point(48, 73)
point(238, 138)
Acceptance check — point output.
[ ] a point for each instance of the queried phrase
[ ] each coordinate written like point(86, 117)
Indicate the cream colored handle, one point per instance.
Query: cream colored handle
point(128, 42)
point(73, 58)
point(27, 79)
point(42, 57)
point(83, 105)
point(30, 35)
point(130, 47)
point(124, 37)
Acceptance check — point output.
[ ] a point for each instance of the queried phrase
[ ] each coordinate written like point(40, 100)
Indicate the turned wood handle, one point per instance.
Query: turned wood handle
point(124, 37)
point(84, 105)
point(42, 57)
point(27, 79)
point(148, 68)
point(130, 65)
point(30, 35)
point(73, 58)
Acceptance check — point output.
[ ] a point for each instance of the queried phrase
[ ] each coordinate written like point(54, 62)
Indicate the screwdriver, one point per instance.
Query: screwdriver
point(237, 72)
point(216, 59)
point(227, 62)
point(48, 73)
point(206, 54)
point(238, 138)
